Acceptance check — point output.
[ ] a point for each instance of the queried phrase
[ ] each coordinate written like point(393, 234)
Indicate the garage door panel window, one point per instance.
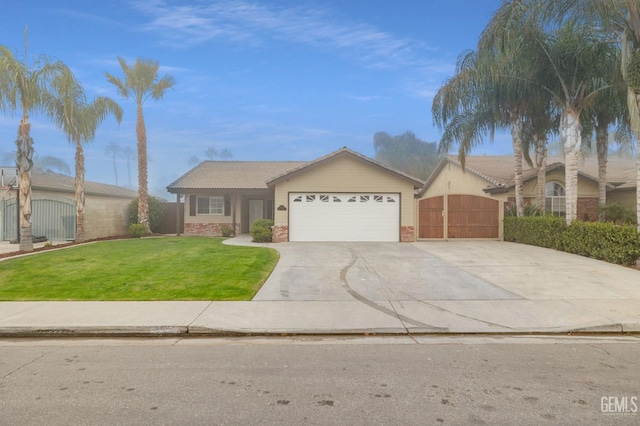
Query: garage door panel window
point(210, 206)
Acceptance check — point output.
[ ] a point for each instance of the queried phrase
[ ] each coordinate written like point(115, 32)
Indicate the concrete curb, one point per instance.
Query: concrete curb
point(195, 332)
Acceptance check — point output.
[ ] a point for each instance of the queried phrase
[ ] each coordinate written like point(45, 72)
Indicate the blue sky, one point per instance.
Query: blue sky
point(268, 80)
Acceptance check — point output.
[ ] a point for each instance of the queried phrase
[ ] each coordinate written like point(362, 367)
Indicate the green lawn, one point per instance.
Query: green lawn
point(139, 269)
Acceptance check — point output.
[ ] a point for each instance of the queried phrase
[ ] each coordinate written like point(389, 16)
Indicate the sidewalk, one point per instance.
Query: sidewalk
point(564, 307)
point(33, 319)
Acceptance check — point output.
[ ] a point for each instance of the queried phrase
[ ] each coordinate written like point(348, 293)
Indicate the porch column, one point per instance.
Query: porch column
point(178, 214)
point(233, 212)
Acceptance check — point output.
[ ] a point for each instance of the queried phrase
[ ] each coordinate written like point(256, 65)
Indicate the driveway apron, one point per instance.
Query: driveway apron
point(371, 272)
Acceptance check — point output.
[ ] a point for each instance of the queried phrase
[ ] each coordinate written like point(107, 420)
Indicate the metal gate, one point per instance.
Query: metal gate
point(54, 218)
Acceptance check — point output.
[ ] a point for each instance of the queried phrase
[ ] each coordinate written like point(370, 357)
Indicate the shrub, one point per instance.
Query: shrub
point(529, 210)
point(603, 241)
point(226, 230)
point(261, 231)
point(137, 230)
point(619, 214)
point(155, 213)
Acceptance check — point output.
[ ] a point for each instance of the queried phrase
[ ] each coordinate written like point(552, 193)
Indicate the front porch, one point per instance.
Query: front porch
point(212, 212)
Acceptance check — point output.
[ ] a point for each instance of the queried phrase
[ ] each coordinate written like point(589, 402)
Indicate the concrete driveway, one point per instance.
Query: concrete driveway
point(440, 271)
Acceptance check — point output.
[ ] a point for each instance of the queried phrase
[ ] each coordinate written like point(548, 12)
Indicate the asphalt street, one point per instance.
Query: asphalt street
point(356, 381)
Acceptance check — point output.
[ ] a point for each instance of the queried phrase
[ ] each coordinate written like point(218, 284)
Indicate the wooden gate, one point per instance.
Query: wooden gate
point(463, 216)
point(471, 216)
point(431, 217)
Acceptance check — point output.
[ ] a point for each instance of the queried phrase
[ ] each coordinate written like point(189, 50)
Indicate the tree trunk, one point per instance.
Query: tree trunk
point(143, 207)
point(516, 137)
point(602, 145)
point(541, 166)
point(24, 162)
point(570, 129)
point(80, 238)
point(115, 167)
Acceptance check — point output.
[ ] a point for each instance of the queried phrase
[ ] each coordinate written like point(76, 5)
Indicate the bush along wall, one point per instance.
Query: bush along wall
point(261, 231)
point(604, 241)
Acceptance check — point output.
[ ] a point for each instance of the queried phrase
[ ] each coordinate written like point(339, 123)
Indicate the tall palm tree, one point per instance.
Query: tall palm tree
point(141, 82)
point(480, 99)
point(128, 155)
point(620, 18)
point(22, 87)
point(610, 110)
point(79, 121)
point(576, 67)
point(114, 148)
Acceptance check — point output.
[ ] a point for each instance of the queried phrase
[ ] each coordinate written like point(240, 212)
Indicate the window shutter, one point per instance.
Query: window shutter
point(227, 205)
point(193, 205)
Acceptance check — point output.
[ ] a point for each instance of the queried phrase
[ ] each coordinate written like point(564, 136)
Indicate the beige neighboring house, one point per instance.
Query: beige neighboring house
point(54, 209)
point(343, 196)
point(469, 203)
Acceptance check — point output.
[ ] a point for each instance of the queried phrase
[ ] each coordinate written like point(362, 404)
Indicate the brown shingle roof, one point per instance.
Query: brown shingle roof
point(259, 174)
point(499, 169)
point(232, 175)
point(49, 181)
point(346, 151)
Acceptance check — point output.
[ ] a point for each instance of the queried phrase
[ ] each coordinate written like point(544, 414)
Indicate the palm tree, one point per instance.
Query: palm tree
point(621, 19)
point(79, 121)
point(576, 66)
point(21, 89)
point(114, 148)
point(480, 99)
point(128, 154)
point(140, 83)
point(610, 110)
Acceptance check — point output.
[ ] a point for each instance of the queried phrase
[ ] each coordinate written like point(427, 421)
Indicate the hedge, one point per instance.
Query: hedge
point(604, 241)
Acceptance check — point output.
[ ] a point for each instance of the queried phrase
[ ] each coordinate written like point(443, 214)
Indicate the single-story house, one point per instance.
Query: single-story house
point(54, 209)
point(346, 196)
point(487, 183)
point(343, 196)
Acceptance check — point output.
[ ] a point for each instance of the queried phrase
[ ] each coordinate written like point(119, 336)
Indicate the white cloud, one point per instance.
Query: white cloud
point(362, 98)
point(255, 23)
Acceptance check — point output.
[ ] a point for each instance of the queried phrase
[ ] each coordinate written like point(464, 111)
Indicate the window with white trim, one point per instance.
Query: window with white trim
point(555, 200)
point(210, 206)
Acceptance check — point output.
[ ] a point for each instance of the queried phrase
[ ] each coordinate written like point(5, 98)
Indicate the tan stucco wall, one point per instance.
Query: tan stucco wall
point(105, 217)
point(453, 180)
point(345, 174)
point(586, 187)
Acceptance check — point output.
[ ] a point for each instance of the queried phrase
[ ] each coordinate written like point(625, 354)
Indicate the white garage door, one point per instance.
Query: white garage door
point(344, 217)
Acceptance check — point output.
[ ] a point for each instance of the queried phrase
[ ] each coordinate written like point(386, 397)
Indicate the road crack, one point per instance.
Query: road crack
point(25, 365)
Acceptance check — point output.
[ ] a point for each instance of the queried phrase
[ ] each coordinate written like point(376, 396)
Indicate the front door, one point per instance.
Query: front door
point(256, 211)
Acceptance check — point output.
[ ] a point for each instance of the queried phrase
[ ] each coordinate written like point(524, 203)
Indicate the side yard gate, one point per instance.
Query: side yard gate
point(54, 218)
point(458, 216)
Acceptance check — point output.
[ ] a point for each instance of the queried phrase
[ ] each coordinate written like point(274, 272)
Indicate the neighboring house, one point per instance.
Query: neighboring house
point(54, 209)
point(343, 196)
point(474, 198)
